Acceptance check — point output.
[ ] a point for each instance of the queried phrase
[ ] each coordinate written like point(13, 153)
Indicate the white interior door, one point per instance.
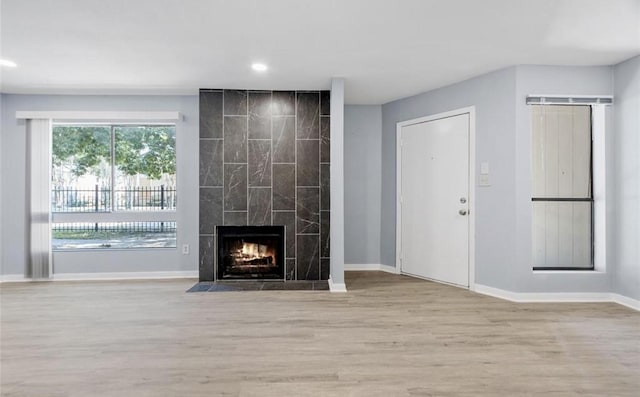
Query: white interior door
point(434, 199)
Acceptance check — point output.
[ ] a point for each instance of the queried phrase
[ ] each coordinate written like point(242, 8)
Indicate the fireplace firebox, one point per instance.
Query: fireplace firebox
point(250, 252)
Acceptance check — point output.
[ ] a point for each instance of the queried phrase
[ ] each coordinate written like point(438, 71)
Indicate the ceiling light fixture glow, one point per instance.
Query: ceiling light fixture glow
point(259, 67)
point(7, 63)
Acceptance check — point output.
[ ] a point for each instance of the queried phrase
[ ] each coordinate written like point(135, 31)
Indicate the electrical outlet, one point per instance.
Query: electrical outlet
point(484, 180)
point(185, 249)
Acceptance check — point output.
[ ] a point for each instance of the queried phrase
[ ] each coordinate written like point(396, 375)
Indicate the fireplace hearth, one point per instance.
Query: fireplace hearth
point(250, 253)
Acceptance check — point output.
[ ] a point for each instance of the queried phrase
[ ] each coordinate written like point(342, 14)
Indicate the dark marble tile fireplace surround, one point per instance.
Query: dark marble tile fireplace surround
point(264, 161)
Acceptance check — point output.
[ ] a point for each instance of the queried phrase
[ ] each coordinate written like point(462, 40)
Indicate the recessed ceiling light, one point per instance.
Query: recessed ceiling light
point(7, 63)
point(259, 67)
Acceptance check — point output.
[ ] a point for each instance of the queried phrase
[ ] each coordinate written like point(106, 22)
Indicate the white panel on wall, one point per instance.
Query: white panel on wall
point(550, 154)
point(537, 150)
point(539, 233)
point(565, 141)
point(552, 234)
point(561, 169)
point(582, 234)
point(562, 234)
point(581, 124)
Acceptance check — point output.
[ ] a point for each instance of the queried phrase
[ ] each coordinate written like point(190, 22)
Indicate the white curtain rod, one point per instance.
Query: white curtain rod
point(100, 115)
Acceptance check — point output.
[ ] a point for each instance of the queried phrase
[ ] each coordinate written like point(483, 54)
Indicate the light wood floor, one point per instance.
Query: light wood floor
point(389, 336)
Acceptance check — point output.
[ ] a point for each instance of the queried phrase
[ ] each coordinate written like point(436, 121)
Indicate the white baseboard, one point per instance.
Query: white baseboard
point(495, 292)
point(366, 267)
point(525, 297)
point(626, 301)
point(389, 269)
point(106, 276)
point(337, 287)
point(543, 296)
point(13, 278)
point(125, 276)
point(359, 267)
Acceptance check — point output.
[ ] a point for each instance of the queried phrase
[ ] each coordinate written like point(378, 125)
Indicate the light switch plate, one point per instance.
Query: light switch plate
point(484, 168)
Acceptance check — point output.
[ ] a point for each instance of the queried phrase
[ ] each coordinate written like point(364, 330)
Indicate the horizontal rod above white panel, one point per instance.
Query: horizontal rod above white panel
point(569, 99)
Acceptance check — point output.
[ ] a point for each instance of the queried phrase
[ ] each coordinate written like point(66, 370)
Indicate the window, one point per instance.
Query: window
point(562, 187)
point(113, 186)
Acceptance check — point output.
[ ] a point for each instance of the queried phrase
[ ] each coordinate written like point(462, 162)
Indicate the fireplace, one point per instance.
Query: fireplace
point(250, 253)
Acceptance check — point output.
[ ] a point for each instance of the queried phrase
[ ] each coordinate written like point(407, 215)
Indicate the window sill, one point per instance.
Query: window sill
point(589, 271)
point(108, 249)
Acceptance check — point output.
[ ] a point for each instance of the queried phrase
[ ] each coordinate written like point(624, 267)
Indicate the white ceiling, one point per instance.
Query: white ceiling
point(385, 49)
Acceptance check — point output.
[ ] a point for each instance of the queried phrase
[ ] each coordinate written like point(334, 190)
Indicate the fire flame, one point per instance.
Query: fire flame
point(252, 250)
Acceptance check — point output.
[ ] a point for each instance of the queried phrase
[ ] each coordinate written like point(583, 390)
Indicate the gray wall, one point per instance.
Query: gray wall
point(503, 210)
point(626, 278)
point(493, 96)
point(13, 207)
point(362, 170)
point(264, 160)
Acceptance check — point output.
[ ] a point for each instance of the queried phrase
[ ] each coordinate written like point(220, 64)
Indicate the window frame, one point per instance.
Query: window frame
point(113, 215)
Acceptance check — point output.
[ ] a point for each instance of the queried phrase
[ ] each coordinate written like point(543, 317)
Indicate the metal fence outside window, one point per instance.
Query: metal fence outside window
point(69, 199)
point(135, 227)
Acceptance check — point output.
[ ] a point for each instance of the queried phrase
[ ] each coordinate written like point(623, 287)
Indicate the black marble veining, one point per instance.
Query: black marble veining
point(325, 191)
point(260, 163)
point(210, 209)
point(325, 218)
point(284, 103)
point(288, 220)
point(308, 169)
point(235, 102)
point(259, 206)
point(259, 115)
point(290, 269)
point(308, 210)
point(211, 162)
point(206, 256)
point(235, 187)
point(284, 139)
point(210, 114)
point(308, 115)
point(308, 258)
point(235, 139)
point(284, 187)
point(325, 139)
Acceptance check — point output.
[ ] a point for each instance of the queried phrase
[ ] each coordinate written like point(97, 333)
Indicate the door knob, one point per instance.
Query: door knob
point(463, 200)
point(462, 212)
